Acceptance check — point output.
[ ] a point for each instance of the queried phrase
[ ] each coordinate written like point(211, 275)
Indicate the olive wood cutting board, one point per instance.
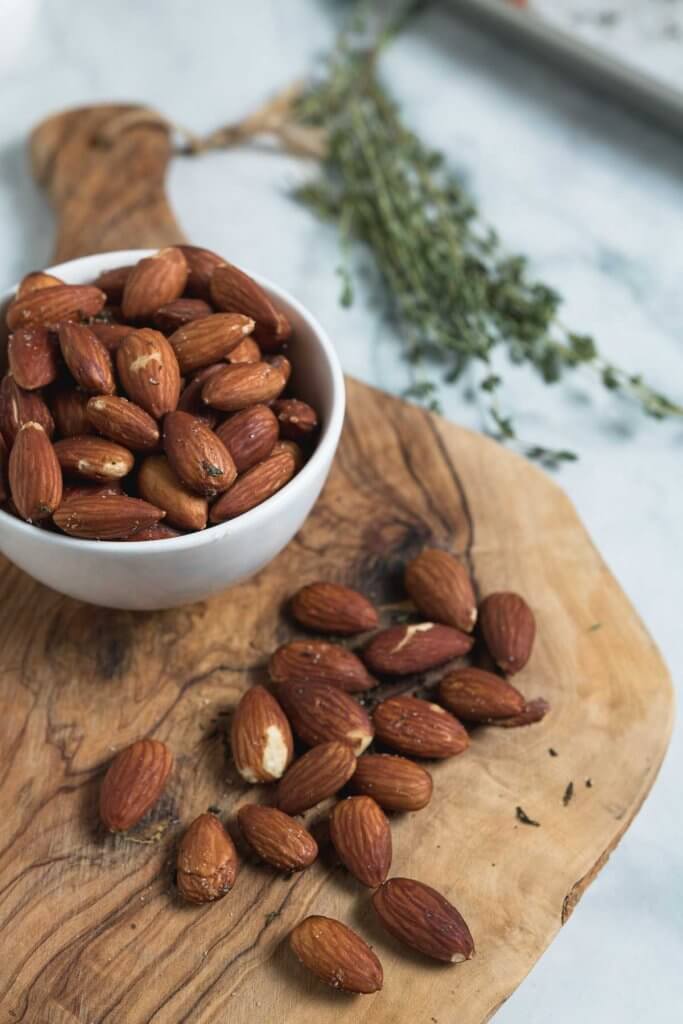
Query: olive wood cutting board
point(91, 929)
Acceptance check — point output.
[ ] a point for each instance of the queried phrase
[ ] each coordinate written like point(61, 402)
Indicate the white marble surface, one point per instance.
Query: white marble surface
point(594, 197)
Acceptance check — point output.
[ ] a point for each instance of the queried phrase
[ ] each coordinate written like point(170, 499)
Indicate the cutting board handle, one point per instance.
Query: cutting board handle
point(104, 169)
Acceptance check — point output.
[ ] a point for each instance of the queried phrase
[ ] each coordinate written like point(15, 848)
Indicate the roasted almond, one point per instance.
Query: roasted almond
point(508, 627)
point(87, 358)
point(152, 282)
point(333, 608)
point(297, 420)
point(253, 487)
point(112, 282)
point(243, 384)
point(134, 782)
point(89, 489)
point(32, 357)
point(396, 783)
point(533, 711)
point(207, 861)
point(201, 265)
point(51, 306)
point(478, 696)
point(70, 410)
point(277, 838)
point(421, 917)
point(441, 589)
point(18, 407)
point(336, 955)
point(315, 661)
point(402, 650)
point(249, 436)
point(35, 281)
point(197, 455)
point(158, 484)
point(124, 422)
point(235, 292)
point(111, 335)
point(282, 365)
point(94, 458)
point(191, 396)
point(247, 351)
point(209, 339)
point(293, 449)
point(105, 516)
point(260, 737)
point(172, 315)
point(361, 836)
point(149, 372)
point(418, 728)
point(319, 712)
point(157, 532)
point(320, 773)
point(35, 477)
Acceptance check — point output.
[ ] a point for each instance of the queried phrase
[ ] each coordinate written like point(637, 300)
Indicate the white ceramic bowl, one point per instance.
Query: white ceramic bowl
point(163, 574)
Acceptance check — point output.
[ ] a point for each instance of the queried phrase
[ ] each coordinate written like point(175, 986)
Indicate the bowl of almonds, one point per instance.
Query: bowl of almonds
point(167, 422)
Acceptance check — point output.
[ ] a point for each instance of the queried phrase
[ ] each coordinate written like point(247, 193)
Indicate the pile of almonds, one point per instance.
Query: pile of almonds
point(149, 403)
point(313, 682)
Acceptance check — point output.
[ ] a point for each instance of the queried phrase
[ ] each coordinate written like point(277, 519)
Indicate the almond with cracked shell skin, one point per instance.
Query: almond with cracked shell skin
point(70, 410)
point(158, 484)
point(111, 335)
point(94, 458)
point(35, 281)
point(207, 861)
point(319, 773)
point(260, 737)
point(235, 292)
point(149, 371)
point(133, 783)
point(152, 282)
point(403, 650)
point(418, 728)
point(18, 407)
point(197, 454)
point(32, 357)
point(319, 712)
point(87, 358)
point(157, 532)
point(316, 661)
point(277, 838)
point(247, 351)
point(249, 436)
point(123, 421)
point(254, 487)
point(112, 282)
point(421, 917)
point(240, 385)
point(441, 589)
point(35, 477)
point(52, 306)
point(105, 516)
point(333, 608)
point(201, 264)
point(298, 421)
point(396, 783)
point(361, 835)
point(205, 341)
point(169, 317)
point(508, 627)
point(478, 696)
point(337, 955)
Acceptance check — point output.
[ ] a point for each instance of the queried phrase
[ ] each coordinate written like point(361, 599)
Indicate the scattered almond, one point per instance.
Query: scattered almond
point(403, 650)
point(441, 589)
point(362, 838)
point(396, 783)
point(320, 773)
point(333, 608)
point(260, 737)
point(134, 782)
point(418, 728)
point(421, 917)
point(315, 661)
point(336, 955)
point(207, 861)
point(319, 712)
point(277, 838)
point(508, 627)
point(478, 696)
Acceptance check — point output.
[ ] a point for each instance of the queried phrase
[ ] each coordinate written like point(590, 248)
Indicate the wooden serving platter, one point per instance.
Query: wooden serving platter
point(91, 929)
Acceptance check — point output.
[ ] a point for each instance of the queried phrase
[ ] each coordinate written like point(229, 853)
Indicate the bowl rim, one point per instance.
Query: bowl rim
point(294, 489)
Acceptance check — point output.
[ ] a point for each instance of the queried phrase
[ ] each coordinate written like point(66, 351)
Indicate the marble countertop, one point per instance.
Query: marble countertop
point(592, 195)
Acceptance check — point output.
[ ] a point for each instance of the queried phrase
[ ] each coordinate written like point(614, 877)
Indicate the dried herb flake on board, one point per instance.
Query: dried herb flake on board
point(568, 793)
point(525, 819)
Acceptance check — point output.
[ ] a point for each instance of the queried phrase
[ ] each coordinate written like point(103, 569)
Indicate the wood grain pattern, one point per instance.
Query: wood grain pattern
point(91, 927)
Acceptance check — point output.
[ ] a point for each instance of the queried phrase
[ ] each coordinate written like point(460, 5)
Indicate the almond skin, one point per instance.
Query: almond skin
point(315, 661)
point(52, 306)
point(134, 782)
point(94, 458)
point(255, 486)
point(35, 477)
point(297, 420)
point(509, 628)
point(319, 712)
point(157, 532)
point(70, 410)
point(533, 711)
point(441, 589)
point(111, 335)
point(361, 836)
point(32, 357)
point(395, 783)
point(172, 315)
point(207, 861)
point(417, 728)
point(105, 516)
point(260, 737)
point(235, 292)
point(320, 773)
point(249, 436)
point(34, 281)
point(209, 339)
point(241, 385)
point(149, 371)
point(201, 264)
point(124, 422)
point(87, 358)
point(112, 282)
point(402, 650)
point(18, 407)
point(191, 396)
point(336, 955)
point(154, 281)
point(277, 838)
point(247, 351)
point(197, 455)
point(158, 484)
point(333, 608)
point(282, 365)
point(421, 917)
point(477, 696)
